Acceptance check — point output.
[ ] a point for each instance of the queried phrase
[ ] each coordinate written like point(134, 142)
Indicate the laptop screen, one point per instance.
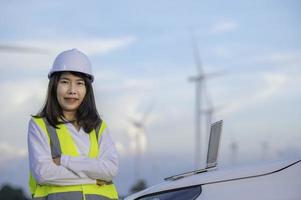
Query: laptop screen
point(214, 141)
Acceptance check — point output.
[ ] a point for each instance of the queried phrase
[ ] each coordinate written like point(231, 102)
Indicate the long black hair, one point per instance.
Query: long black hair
point(87, 115)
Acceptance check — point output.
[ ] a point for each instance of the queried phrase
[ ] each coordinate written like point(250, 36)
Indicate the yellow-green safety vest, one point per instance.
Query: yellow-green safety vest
point(68, 147)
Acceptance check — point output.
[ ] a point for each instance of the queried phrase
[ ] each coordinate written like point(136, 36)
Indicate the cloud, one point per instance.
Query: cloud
point(271, 84)
point(91, 46)
point(120, 148)
point(274, 82)
point(138, 141)
point(221, 51)
point(279, 82)
point(130, 85)
point(10, 152)
point(224, 26)
point(21, 99)
point(19, 95)
point(285, 59)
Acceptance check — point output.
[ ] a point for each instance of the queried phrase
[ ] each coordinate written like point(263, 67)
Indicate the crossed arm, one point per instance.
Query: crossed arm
point(68, 170)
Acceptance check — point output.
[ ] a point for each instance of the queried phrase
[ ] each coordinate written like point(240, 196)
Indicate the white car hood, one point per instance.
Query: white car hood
point(221, 174)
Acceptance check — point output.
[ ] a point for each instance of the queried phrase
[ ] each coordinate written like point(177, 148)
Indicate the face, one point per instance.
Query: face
point(71, 91)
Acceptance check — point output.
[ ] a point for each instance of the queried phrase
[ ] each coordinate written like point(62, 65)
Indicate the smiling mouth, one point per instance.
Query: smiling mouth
point(71, 100)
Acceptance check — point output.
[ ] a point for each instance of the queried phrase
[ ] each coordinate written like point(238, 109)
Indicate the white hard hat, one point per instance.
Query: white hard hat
point(72, 60)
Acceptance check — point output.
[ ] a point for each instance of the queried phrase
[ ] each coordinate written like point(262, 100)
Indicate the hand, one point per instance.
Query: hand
point(57, 160)
point(100, 182)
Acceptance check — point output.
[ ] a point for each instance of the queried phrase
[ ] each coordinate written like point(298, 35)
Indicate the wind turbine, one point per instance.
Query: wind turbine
point(199, 80)
point(139, 134)
point(264, 150)
point(234, 151)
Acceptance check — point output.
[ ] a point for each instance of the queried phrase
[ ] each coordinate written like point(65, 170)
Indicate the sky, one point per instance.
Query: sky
point(142, 56)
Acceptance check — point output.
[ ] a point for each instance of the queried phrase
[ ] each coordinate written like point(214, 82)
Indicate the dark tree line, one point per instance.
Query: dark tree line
point(138, 186)
point(10, 193)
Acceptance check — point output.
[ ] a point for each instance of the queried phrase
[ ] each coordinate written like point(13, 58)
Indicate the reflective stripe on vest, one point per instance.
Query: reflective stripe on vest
point(61, 142)
point(71, 196)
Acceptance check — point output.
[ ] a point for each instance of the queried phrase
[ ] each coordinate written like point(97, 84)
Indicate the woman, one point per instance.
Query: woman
point(71, 154)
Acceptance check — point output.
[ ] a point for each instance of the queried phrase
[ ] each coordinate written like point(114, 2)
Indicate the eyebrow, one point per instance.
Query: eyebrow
point(79, 79)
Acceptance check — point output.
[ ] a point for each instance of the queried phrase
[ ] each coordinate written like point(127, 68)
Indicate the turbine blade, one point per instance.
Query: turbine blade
point(22, 49)
point(214, 74)
point(147, 112)
point(196, 55)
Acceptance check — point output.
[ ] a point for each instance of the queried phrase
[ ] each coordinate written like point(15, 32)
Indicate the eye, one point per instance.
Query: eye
point(81, 83)
point(64, 81)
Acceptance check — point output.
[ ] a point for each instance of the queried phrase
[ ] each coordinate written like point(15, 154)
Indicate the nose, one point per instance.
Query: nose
point(72, 89)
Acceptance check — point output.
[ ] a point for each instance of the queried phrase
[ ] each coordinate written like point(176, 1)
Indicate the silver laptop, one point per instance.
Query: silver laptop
point(213, 146)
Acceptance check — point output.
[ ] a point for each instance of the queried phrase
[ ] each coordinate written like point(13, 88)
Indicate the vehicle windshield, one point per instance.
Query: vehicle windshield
point(179, 194)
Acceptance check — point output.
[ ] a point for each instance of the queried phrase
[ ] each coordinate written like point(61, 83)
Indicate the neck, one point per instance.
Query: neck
point(69, 116)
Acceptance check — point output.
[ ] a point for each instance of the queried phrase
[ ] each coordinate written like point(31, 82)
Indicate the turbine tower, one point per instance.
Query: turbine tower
point(209, 111)
point(234, 152)
point(198, 79)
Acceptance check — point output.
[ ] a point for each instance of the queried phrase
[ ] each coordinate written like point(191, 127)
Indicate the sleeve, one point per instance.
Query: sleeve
point(41, 165)
point(104, 167)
